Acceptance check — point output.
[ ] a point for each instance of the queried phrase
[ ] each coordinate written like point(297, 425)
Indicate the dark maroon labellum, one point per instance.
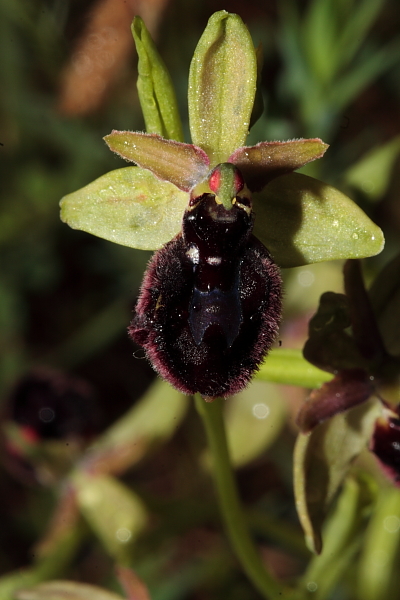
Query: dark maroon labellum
point(210, 302)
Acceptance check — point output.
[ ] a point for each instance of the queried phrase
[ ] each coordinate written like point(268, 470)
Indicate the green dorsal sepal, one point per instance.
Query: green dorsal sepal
point(226, 182)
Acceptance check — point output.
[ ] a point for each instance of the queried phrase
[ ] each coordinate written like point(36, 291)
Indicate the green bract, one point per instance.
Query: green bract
point(299, 219)
point(155, 89)
point(322, 460)
point(98, 496)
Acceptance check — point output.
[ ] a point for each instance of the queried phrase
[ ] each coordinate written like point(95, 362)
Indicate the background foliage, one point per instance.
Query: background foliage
point(331, 69)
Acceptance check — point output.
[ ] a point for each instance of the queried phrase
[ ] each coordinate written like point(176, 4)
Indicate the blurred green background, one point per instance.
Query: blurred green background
point(68, 72)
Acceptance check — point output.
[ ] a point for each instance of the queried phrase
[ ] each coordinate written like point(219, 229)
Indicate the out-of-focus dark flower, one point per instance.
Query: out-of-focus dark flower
point(49, 415)
point(52, 405)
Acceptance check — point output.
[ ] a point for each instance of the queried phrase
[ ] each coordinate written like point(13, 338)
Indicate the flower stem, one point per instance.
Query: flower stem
point(231, 509)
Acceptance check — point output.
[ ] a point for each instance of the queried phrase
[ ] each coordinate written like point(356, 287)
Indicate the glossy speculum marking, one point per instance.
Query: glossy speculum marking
point(210, 302)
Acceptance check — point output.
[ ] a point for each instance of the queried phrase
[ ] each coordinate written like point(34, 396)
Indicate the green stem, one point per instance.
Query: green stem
point(235, 523)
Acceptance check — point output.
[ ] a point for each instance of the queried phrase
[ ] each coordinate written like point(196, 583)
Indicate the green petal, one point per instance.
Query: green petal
point(127, 206)
point(156, 92)
point(258, 106)
point(379, 561)
point(302, 220)
point(184, 165)
point(261, 163)
point(322, 460)
point(222, 84)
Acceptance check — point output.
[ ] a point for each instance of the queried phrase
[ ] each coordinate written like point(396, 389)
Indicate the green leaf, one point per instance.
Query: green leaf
point(152, 420)
point(66, 590)
point(329, 345)
point(156, 92)
point(378, 575)
point(184, 165)
point(261, 163)
point(343, 537)
point(353, 29)
point(385, 299)
point(46, 566)
point(371, 174)
point(23, 577)
point(318, 35)
point(222, 85)
point(288, 366)
point(322, 460)
point(127, 206)
point(365, 71)
point(254, 419)
point(302, 220)
point(385, 286)
point(115, 513)
point(364, 326)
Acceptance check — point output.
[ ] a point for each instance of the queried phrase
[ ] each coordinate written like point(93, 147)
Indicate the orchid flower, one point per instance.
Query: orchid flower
point(210, 303)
